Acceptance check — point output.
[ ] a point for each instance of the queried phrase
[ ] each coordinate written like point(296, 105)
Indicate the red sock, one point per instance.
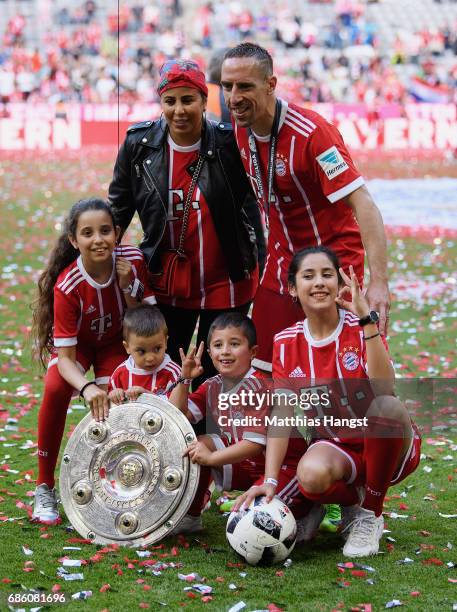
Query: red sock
point(201, 495)
point(340, 492)
point(51, 424)
point(381, 456)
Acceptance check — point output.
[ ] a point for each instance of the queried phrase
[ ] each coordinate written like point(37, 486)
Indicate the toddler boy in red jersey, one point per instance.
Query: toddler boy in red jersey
point(148, 368)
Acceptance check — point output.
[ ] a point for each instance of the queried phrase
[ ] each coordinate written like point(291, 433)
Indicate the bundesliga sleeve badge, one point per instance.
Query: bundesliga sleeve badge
point(332, 162)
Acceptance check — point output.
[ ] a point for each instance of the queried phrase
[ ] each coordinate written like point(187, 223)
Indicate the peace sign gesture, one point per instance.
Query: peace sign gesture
point(192, 362)
point(359, 305)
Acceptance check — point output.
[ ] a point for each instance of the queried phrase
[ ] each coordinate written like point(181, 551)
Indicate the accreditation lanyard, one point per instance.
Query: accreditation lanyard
point(271, 160)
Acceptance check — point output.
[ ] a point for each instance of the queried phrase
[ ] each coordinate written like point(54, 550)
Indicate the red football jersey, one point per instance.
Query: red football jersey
point(127, 375)
point(211, 286)
point(91, 314)
point(206, 401)
point(314, 171)
point(326, 365)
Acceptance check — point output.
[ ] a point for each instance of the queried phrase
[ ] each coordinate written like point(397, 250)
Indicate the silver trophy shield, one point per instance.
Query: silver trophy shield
point(125, 480)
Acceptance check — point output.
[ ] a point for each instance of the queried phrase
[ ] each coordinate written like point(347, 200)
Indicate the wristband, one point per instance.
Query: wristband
point(135, 289)
point(84, 387)
point(271, 481)
point(184, 381)
point(370, 337)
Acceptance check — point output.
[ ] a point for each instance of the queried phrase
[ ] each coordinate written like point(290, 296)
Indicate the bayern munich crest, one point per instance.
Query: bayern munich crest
point(350, 361)
point(280, 167)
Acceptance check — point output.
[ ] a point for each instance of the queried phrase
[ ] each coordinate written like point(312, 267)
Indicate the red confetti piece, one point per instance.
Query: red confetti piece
point(104, 588)
point(206, 598)
point(403, 506)
point(415, 593)
point(143, 604)
point(6, 580)
point(79, 541)
point(220, 579)
point(175, 551)
point(359, 573)
point(280, 573)
point(432, 561)
point(452, 580)
point(425, 533)
point(274, 608)
point(191, 595)
point(56, 588)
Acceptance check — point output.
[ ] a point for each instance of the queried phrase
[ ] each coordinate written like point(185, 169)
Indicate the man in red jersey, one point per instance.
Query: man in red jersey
point(308, 188)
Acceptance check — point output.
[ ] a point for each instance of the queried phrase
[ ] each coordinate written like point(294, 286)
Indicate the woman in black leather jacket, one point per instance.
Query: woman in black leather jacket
point(224, 239)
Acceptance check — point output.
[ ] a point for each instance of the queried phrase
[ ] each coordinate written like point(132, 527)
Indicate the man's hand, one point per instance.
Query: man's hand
point(198, 453)
point(378, 298)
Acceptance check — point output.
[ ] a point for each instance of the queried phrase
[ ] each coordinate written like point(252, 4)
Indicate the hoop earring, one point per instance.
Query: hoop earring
point(294, 299)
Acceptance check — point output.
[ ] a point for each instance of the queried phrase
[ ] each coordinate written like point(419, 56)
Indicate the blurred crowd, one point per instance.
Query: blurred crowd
point(340, 60)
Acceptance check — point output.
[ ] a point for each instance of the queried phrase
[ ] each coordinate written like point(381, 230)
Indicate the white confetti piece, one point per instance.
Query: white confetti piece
point(71, 563)
point(427, 469)
point(240, 605)
point(447, 515)
point(70, 577)
point(143, 553)
point(27, 551)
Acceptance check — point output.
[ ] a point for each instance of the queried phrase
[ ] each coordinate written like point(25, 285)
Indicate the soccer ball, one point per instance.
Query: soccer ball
point(264, 533)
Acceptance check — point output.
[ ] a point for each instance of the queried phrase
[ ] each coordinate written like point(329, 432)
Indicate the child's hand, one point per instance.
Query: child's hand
point(134, 393)
point(198, 453)
point(98, 401)
point(245, 499)
point(124, 272)
point(191, 363)
point(359, 305)
point(117, 396)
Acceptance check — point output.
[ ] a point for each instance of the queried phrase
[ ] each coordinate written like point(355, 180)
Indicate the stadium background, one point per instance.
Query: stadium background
point(384, 71)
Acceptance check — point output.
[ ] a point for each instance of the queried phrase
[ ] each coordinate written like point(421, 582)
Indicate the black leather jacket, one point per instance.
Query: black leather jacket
point(140, 183)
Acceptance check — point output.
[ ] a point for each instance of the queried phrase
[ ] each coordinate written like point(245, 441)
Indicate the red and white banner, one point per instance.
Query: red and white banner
point(415, 127)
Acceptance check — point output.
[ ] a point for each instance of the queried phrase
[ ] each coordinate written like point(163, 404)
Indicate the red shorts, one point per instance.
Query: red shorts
point(104, 360)
point(355, 455)
point(236, 476)
point(271, 313)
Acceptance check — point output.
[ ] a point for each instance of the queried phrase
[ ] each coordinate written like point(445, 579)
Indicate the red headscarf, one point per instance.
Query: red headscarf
point(181, 73)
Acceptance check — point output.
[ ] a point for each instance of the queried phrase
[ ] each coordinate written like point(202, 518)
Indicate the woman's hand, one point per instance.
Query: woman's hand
point(124, 272)
point(192, 362)
point(359, 305)
point(244, 501)
point(98, 402)
point(198, 453)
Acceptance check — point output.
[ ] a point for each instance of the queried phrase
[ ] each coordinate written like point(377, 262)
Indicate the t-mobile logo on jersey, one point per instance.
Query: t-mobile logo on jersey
point(102, 324)
point(176, 203)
